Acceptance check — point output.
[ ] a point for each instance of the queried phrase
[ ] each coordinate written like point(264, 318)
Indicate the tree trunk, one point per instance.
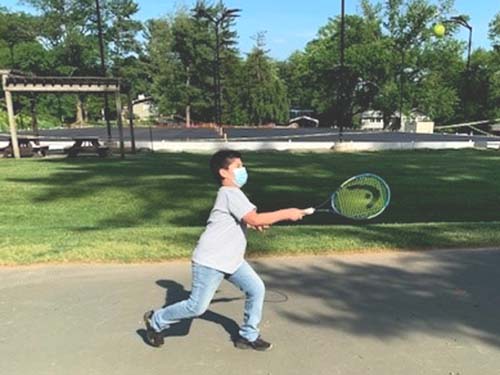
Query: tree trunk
point(188, 116)
point(80, 118)
point(12, 59)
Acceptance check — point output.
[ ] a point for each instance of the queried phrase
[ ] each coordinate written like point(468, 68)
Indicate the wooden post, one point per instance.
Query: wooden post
point(12, 123)
point(34, 120)
point(131, 120)
point(119, 121)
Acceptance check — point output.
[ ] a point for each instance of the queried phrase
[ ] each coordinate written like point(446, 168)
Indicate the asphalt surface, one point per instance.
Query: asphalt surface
point(259, 134)
point(429, 313)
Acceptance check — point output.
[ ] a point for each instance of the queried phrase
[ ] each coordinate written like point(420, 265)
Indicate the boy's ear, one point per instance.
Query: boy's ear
point(224, 173)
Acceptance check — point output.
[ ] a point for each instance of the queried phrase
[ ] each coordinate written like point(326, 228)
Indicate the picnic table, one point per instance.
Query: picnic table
point(26, 147)
point(87, 145)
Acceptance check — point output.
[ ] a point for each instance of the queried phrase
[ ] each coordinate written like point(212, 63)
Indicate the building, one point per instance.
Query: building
point(304, 122)
point(372, 120)
point(416, 122)
point(143, 108)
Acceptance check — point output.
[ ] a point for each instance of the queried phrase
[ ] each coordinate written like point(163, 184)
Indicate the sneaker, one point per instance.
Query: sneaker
point(259, 344)
point(152, 337)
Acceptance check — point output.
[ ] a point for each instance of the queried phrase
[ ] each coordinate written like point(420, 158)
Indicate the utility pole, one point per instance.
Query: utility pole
point(341, 92)
point(103, 68)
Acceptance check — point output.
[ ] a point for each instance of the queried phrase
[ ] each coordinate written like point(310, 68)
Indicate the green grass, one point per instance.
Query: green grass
point(154, 207)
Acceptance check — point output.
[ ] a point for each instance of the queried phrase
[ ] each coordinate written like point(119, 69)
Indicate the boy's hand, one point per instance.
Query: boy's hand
point(295, 214)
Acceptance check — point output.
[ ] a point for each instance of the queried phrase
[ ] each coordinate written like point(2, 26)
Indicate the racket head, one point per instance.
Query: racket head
point(361, 197)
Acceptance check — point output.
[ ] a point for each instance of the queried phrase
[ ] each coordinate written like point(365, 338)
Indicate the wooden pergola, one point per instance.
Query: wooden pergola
point(15, 81)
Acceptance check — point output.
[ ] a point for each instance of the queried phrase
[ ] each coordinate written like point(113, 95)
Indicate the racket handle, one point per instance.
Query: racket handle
point(309, 211)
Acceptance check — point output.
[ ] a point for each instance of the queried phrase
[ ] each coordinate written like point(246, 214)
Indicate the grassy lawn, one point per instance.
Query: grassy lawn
point(153, 207)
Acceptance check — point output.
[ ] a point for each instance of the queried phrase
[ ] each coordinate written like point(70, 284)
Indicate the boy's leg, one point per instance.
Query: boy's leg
point(252, 285)
point(205, 282)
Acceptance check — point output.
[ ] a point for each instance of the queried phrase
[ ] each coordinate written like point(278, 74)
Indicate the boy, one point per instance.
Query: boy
point(220, 255)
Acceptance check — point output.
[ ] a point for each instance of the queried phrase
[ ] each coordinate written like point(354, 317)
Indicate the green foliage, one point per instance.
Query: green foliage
point(45, 121)
point(393, 62)
point(266, 99)
point(4, 121)
point(181, 61)
point(16, 28)
point(494, 31)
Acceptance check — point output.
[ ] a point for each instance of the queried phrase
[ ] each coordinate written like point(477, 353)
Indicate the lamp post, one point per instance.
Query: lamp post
point(341, 93)
point(103, 68)
point(460, 20)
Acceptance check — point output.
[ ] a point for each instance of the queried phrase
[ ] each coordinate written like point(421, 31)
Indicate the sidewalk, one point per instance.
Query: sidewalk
point(407, 313)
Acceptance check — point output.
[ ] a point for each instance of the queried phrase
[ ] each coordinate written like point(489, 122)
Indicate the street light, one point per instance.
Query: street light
point(103, 68)
point(460, 20)
point(341, 93)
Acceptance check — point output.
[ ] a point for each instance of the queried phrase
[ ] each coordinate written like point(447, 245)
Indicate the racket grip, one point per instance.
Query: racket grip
point(309, 211)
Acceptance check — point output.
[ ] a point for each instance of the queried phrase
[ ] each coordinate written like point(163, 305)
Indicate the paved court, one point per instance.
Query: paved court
point(408, 313)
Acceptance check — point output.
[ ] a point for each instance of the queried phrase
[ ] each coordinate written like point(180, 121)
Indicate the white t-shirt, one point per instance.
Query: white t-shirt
point(223, 243)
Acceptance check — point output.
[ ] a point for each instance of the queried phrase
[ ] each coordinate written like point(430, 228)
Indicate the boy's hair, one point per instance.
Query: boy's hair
point(222, 159)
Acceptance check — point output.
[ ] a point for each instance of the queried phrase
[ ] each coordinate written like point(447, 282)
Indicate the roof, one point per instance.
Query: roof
point(304, 118)
point(34, 80)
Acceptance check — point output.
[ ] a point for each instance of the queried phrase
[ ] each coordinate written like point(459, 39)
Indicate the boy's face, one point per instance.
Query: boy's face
point(228, 173)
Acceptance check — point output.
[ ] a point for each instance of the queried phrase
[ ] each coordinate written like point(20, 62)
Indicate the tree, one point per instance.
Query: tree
point(266, 93)
point(190, 44)
point(294, 74)
point(179, 71)
point(494, 97)
point(121, 46)
point(18, 32)
point(224, 40)
point(494, 32)
point(409, 23)
point(328, 84)
point(121, 30)
point(67, 31)
point(161, 64)
point(16, 28)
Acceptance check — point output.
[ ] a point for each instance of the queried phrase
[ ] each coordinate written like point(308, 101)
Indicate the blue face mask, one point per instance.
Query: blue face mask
point(240, 176)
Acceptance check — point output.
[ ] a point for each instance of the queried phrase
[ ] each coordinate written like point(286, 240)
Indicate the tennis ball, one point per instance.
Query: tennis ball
point(439, 30)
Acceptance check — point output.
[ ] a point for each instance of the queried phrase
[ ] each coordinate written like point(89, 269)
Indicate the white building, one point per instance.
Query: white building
point(416, 122)
point(143, 108)
point(372, 120)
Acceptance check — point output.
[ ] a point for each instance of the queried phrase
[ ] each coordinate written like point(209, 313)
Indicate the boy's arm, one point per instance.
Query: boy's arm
point(268, 218)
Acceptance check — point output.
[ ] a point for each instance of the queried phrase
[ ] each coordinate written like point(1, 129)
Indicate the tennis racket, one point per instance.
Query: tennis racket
point(361, 197)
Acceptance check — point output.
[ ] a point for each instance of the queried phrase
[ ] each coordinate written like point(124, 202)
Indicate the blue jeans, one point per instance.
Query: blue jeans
point(205, 282)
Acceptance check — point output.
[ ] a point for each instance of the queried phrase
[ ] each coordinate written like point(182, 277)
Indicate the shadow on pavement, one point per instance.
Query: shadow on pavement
point(175, 292)
point(441, 293)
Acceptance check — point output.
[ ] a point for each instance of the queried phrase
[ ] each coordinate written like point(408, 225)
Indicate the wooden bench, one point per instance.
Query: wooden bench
point(26, 148)
point(87, 145)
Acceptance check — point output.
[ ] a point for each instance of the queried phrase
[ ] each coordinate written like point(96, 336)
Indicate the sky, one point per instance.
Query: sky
point(290, 24)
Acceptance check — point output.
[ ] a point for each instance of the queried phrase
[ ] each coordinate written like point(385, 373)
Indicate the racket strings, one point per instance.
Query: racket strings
point(362, 197)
